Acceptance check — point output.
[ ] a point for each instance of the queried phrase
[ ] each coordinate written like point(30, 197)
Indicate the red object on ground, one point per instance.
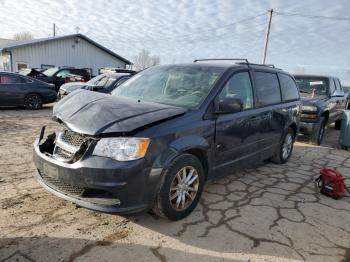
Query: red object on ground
point(331, 183)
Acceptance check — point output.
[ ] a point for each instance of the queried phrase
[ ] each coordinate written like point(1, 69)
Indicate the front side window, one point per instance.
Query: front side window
point(312, 86)
point(288, 87)
point(184, 86)
point(267, 88)
point(9, 79)
point(239, 86)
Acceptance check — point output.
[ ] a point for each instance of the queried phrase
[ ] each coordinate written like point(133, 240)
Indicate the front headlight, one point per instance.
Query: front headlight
point(122, 148)
point(309, 108)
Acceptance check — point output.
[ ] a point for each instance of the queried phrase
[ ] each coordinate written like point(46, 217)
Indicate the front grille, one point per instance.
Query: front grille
point(68, 144)
point(62, 154)
point(72, 138)
point(61, 186)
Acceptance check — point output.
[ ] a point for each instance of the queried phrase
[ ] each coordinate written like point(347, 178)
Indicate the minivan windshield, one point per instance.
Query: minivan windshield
point(315, 86)
point(180, 85)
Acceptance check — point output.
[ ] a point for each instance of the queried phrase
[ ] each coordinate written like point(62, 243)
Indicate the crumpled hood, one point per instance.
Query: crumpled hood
point(93, 113)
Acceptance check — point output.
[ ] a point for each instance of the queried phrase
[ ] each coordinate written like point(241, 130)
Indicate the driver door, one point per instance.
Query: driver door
point(237, 134)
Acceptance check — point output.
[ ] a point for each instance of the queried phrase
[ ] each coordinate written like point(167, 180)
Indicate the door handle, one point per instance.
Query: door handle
point(254, 118)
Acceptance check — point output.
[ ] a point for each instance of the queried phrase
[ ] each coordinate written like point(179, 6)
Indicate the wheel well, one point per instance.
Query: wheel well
point(326, 115)
point(34, 93)
point(199, 153)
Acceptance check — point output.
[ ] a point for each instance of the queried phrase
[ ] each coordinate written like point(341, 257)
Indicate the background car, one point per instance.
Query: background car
point(19, 90)
point(103, 83)
point(347, 95)
point(58, 76)
point(323, 101)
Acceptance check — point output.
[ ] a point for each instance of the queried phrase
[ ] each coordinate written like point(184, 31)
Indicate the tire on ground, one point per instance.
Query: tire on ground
point(317, 135)
point(33, 101)
point(279, 158)
point(162, 206)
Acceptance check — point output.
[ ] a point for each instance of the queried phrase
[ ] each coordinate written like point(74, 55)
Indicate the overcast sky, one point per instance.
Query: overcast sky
point(182, 30)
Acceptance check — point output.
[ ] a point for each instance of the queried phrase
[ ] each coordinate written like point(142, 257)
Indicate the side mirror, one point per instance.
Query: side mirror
point(94, 88)
point(230, 105)
point(338, 93)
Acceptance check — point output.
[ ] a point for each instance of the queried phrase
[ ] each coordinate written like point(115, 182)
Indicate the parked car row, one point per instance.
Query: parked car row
point(57, 75)
point(103, 83)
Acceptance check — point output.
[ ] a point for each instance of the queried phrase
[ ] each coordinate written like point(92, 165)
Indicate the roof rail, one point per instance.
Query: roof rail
point(245, 62)
point(266, 65)
point(222, 59)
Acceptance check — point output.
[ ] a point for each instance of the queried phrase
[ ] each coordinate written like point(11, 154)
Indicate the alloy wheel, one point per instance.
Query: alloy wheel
point(184, 188)
point(287, 146)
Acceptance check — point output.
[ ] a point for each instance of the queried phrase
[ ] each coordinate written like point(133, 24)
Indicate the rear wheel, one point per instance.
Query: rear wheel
point(316, 137)
point(33, 101)
point(181, 188)
point(286, 147)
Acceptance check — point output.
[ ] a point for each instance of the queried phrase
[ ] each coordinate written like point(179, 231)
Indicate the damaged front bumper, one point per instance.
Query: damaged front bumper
point(98, 183)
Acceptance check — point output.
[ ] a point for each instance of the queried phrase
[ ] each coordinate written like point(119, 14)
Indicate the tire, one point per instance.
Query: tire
point(337, 124)
point(176, 208)
point(33, 101)
point(285, 148)
point(317, 135)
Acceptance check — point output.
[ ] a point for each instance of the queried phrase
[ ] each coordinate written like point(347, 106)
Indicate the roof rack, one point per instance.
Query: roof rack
point(222, 59)
point(267, 65)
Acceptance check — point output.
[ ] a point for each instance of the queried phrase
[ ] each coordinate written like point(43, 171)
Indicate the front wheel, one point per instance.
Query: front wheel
point(181, 188)
point(316, 137)
point(286, 147)
point(33, 101)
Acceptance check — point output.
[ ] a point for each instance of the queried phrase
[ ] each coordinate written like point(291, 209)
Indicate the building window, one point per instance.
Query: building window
point(43, 66)
point(21, 65)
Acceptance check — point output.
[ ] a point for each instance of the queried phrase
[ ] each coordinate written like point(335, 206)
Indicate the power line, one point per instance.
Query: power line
point(339, 18)
point(185, 37)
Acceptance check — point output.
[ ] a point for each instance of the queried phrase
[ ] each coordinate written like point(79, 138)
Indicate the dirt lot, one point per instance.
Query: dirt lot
point(267, 213)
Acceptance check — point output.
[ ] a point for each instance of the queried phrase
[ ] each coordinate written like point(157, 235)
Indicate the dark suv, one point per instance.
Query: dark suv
point(161, 134)
point(323, 101)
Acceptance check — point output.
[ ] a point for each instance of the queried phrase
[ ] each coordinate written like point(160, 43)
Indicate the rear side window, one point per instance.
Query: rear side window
point(10, 79)
point(267, 88)
point(288, 87)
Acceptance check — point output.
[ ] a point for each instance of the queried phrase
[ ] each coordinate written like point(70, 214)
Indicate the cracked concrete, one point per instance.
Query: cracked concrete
point(265, 213)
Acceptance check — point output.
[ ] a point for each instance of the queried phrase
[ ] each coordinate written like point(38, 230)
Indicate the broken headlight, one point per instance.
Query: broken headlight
point(122, 148)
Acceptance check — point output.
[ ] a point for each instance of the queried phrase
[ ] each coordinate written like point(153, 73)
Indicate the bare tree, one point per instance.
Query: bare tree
point(23, 36)
point(144, 60)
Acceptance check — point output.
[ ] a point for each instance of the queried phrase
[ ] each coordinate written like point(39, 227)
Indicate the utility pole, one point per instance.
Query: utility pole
point(54, 30)
point(267, 35)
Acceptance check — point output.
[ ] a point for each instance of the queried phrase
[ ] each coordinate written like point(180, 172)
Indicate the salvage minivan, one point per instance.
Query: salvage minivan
point(156, 140)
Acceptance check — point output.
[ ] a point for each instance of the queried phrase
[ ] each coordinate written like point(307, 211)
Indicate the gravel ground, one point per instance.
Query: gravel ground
point(267, 213)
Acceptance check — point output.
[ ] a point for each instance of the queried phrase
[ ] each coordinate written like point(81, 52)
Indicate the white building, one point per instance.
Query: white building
point(75, 50)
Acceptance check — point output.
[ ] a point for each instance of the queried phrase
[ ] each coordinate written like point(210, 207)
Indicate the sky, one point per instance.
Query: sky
point(306, 35)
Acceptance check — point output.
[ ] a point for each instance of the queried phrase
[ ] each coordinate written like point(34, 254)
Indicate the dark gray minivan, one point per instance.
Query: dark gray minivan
point(160, 135)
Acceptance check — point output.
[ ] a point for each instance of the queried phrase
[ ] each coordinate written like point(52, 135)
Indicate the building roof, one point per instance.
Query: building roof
point(17, 44)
